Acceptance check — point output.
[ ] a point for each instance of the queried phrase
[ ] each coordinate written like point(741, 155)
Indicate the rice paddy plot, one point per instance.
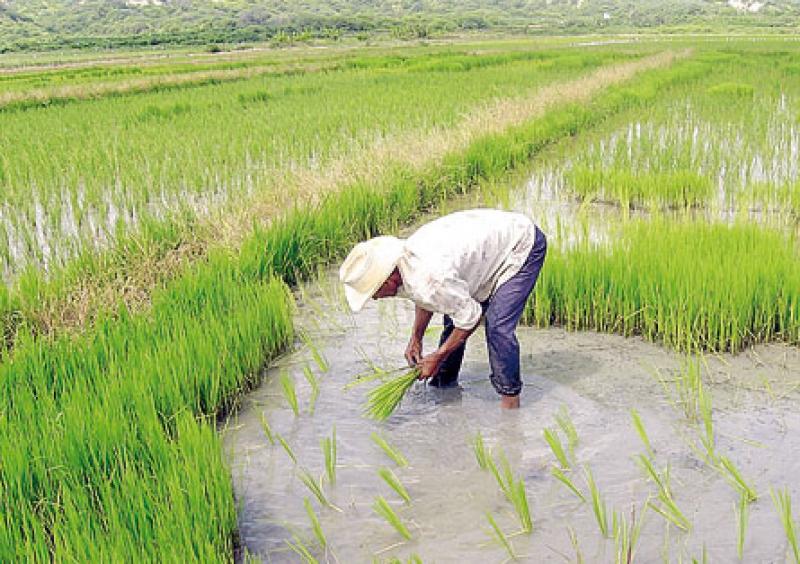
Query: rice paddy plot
point(598, 377)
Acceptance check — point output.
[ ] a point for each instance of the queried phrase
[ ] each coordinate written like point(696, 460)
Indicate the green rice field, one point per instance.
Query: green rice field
point(160, 214)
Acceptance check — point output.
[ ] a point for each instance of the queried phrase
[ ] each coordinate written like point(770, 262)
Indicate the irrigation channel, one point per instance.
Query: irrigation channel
point(586, 380)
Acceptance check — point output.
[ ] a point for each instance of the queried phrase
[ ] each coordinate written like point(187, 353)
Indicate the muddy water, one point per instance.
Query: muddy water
point(598, 378)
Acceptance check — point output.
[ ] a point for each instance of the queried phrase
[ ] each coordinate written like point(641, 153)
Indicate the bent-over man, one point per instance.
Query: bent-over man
point(465, 265)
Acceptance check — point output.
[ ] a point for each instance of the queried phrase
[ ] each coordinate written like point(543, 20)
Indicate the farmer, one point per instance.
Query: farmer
point(465, 265)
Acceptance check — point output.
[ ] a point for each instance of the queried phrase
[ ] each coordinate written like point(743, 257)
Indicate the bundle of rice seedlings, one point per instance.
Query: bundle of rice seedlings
point(384, 399)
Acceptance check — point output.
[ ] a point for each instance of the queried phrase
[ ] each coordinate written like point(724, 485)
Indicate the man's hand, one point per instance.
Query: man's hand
point(414, 352)
point(429, 366)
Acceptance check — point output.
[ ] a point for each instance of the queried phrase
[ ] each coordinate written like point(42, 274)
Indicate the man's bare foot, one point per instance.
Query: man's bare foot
point(509, 402)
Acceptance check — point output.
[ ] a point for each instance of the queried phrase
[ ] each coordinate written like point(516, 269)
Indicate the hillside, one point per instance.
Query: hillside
point(36, 24)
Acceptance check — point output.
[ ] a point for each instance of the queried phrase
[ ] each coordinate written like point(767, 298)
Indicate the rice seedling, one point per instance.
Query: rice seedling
point(626, 536)
point(315, 487)
point(742, 513)
point(573, 539)
point(640, 430)
point(731, 472)
point(554, 441)
point(561, 477)
point(384, 398)
point(267, 428)
point(519, 499)
point(316, 354)
point(707, 438)
point(599, 506)
point(668, 508)
point(783, 504)
point(328, 445)
point(500, 537)
point(289, 392)
point(389, 450)
point(299, 547)
point(286, 447)
point(382, 508)
point(479, 448)
point(315, 525)
point(564, 421)
point(512, 488)
point(314, 385)
point(394, 482)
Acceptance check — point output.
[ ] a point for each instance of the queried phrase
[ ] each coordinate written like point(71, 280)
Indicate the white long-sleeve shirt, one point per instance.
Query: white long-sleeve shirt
point(455, 262)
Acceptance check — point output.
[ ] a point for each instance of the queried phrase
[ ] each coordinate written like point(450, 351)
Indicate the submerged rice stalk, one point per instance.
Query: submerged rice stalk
point(561, 477)
point(394, 482)
point(313, 382)
point(329, 451)
point(389, 450)
point(286, 447)
point(267, 430)
point(315, 525)
point(382, 508)
point(599, 506)
point(500, 536)
point(289, 392)
point(384, 399)
point(554, 441)
point(783, 504)
point(640, 430)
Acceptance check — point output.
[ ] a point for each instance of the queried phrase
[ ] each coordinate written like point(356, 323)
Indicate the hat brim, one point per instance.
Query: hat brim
point(357, 300)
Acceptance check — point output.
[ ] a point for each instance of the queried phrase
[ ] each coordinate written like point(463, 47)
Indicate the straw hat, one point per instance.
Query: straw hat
point(367, 267)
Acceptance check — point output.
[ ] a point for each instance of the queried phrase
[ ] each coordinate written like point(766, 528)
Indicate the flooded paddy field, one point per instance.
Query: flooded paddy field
point(595, 378)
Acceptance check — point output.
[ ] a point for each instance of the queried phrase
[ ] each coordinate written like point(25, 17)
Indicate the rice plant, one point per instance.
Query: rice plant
point(707, 438)
point(564, 421)
point(731, 472)
point(554, 441)
point(667, 508)
point(286, 447)
point(389, 450)
point(783, 504)
point(394, 482)
point(315, 525)
point(384, 398)
point(315, 487)
point(328, 445)
point(267, 428)
point(640, 430)
point(382, 508)
point(479, 448)
point(561, 477)
point(742, 513)
point(289, 391)
point(319, 358)
point(299, 547)
point(314, 385)
point(626, 536)
point(513, 489)
point(599, 506)
point(499, 536)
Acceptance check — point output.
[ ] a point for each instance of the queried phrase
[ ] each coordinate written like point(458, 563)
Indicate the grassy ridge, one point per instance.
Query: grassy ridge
point(136, 468)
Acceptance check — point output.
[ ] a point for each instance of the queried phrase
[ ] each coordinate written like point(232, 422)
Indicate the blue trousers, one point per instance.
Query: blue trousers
point(501, 315)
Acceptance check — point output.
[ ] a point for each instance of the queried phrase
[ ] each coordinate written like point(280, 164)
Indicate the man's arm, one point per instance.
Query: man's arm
point(422, 317)
point(429, 365)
